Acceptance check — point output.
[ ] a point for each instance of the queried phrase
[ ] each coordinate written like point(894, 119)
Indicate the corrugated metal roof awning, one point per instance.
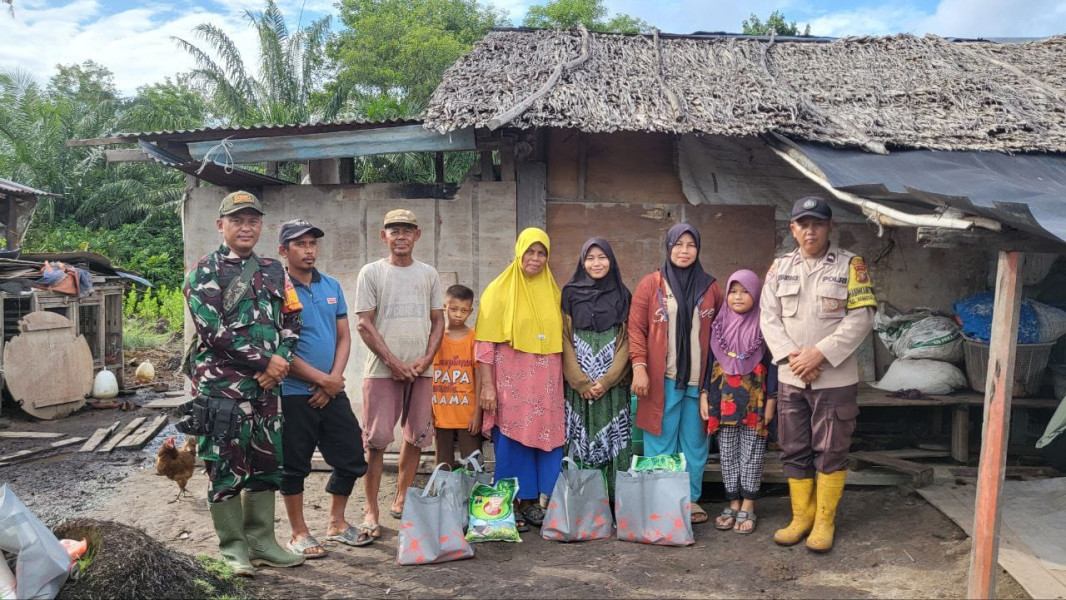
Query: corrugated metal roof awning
point(241, 132)
point(17, 189)
point(1023, 191)
point(211, 172)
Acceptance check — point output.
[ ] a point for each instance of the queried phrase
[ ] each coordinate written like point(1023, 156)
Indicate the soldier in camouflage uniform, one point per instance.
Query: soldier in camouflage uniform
point(247, 334)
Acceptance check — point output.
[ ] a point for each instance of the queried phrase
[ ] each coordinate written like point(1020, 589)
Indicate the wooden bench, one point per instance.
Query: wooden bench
point(960, 404)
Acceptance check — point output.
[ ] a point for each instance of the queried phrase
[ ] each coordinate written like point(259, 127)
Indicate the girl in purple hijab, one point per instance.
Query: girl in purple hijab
point(738, 399)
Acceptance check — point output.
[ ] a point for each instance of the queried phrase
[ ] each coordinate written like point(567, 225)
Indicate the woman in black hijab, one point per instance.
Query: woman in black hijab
point(595, 306)
point(669, 336)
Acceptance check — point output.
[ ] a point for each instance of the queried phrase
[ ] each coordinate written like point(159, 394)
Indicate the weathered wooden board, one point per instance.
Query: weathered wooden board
point(1035, 575)
point(99, 436)
point(29, 434)
point(140, 438)
point(167, 402)
point(733, 237)
point(338, 144)
point(118, 437)
point(921, 475)
point(47, 340)
point(16, 456)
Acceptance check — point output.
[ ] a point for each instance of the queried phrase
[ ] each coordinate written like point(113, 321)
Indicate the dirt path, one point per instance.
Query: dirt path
point(891, 544)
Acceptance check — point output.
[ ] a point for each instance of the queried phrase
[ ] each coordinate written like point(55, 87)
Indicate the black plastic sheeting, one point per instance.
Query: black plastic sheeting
point(1024, 191)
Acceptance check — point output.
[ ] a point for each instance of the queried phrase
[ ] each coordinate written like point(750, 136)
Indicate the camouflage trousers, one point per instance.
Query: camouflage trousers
point(252, 460)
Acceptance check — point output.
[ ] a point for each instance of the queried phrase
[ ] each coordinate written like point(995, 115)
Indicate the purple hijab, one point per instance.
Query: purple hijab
point(736, 340)
point(688, 286)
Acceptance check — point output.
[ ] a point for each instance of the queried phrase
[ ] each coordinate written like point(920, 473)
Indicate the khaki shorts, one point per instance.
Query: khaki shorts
point(382, 405)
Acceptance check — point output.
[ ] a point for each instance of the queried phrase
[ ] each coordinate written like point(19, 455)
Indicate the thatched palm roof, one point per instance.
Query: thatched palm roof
point(899, 91)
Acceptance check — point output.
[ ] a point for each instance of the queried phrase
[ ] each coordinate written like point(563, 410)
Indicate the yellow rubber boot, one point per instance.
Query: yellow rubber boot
point(801, 492)
point(830, 489)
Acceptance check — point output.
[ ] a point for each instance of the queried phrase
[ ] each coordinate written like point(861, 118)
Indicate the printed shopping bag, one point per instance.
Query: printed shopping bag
point(431, 528)
point(579, 508)
point(653, 507)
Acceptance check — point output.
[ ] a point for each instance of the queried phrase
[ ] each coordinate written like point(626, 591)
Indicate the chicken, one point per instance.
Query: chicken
point(177, 465)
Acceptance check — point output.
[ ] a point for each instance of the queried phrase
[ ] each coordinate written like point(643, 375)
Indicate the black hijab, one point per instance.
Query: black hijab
point(596, 304)
point(688, 285)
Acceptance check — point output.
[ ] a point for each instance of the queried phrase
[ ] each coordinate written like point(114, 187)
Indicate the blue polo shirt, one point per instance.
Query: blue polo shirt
point(323, 303)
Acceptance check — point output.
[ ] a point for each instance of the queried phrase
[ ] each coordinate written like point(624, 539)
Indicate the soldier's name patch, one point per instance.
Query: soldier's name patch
point(787, 277)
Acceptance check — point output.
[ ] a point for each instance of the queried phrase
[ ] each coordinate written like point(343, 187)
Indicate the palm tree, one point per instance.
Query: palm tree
point(289, 70)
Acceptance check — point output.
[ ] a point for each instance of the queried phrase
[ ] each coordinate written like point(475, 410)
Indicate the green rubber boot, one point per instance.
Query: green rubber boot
point(228, 519)
point(263, 547)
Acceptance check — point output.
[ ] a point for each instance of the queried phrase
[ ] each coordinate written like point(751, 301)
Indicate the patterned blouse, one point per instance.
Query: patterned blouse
point(530, 408)
point(741, 399)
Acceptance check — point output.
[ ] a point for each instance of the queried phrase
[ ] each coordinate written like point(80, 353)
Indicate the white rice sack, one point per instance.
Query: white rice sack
point(933, 377)
point(937, 338)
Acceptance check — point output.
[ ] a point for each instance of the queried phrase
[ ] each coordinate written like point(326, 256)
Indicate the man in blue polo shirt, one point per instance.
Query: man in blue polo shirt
point(313, 402)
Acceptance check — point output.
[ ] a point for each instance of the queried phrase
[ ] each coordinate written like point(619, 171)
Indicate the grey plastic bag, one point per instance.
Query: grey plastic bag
point(42, 564)
point(464, 479)
point(431, 528)
point(579, 509)
point(653, 507)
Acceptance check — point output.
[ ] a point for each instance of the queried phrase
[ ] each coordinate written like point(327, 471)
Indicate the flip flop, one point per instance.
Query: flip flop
point(371, 529)
point(698, 514)
point(521, 526)
point(302, 546)
point(352, 537)
point(743, 517)
point(396, 514)
point(727, 513)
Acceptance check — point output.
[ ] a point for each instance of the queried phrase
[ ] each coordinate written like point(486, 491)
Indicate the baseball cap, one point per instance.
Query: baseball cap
point(811, 206)
point(239, 201)
point(290, 230)
point(400, 216)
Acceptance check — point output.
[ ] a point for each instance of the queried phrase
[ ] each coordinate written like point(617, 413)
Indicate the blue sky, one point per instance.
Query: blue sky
point(133, 37)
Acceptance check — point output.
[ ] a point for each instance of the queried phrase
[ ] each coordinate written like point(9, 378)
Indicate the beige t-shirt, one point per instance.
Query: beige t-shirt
point(671, 341)
point(402, 298)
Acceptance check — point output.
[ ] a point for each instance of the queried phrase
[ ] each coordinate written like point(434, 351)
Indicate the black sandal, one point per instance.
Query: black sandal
point(533, 514)
point(521, 526)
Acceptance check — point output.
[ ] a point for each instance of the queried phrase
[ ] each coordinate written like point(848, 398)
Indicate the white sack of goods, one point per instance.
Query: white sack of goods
point(145, 372)
point(933, 377)
point(920, 334)
point(105, 385)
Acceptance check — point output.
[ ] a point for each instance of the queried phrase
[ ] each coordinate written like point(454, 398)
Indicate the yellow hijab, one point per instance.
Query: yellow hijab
point(523, 311)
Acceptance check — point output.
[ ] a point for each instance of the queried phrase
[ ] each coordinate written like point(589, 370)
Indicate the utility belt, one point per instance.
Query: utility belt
point(212, 416)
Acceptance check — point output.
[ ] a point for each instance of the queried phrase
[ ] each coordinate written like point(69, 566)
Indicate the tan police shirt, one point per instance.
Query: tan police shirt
point(830, 306)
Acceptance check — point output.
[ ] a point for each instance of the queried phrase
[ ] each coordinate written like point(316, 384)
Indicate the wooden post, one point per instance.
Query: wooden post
point(438, 167)
point(582, 160)
point(487, 168)
point(998, 390)
point(12, 222)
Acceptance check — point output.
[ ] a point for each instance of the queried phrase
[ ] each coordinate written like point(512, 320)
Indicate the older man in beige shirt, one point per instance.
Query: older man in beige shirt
point(817, 306)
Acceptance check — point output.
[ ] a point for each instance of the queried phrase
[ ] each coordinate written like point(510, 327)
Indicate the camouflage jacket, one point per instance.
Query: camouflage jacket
point(234, 347)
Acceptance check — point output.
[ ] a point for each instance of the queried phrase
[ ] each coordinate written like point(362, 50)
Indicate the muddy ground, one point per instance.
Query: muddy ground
point(891, 543)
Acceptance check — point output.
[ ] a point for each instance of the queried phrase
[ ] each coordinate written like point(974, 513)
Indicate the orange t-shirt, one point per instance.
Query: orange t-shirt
point(453, 383)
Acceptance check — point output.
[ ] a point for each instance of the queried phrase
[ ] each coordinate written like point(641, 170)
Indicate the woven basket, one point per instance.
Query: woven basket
point(1030, 361)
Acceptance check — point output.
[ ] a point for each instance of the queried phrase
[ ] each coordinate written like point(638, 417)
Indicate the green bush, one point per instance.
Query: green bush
point(152, 249)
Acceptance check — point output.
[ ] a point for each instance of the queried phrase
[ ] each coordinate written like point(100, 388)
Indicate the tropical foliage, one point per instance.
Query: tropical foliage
point(564, 14)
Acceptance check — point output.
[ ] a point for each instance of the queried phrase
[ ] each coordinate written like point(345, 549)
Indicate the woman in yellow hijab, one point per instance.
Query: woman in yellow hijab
point(519, 347)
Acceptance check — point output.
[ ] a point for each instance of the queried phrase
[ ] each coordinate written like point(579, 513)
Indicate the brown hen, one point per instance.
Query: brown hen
point(177, 464)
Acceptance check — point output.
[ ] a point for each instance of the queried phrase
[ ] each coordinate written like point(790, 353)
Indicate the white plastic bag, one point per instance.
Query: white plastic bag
point(931, 377)
point(919, 334)
point(42, 564)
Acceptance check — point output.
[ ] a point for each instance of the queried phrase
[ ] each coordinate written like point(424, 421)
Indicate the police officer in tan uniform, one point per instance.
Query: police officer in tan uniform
point(817, 307)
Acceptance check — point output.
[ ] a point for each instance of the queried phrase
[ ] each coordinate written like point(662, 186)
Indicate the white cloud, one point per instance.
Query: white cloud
point(996, 18)
point(876, 20)
point(134, 44)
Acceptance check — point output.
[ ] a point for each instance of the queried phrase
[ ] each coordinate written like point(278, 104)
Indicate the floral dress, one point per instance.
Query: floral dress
point(740, 399)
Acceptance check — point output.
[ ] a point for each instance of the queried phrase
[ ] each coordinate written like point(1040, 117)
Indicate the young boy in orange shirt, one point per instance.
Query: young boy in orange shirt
point(456, 414)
